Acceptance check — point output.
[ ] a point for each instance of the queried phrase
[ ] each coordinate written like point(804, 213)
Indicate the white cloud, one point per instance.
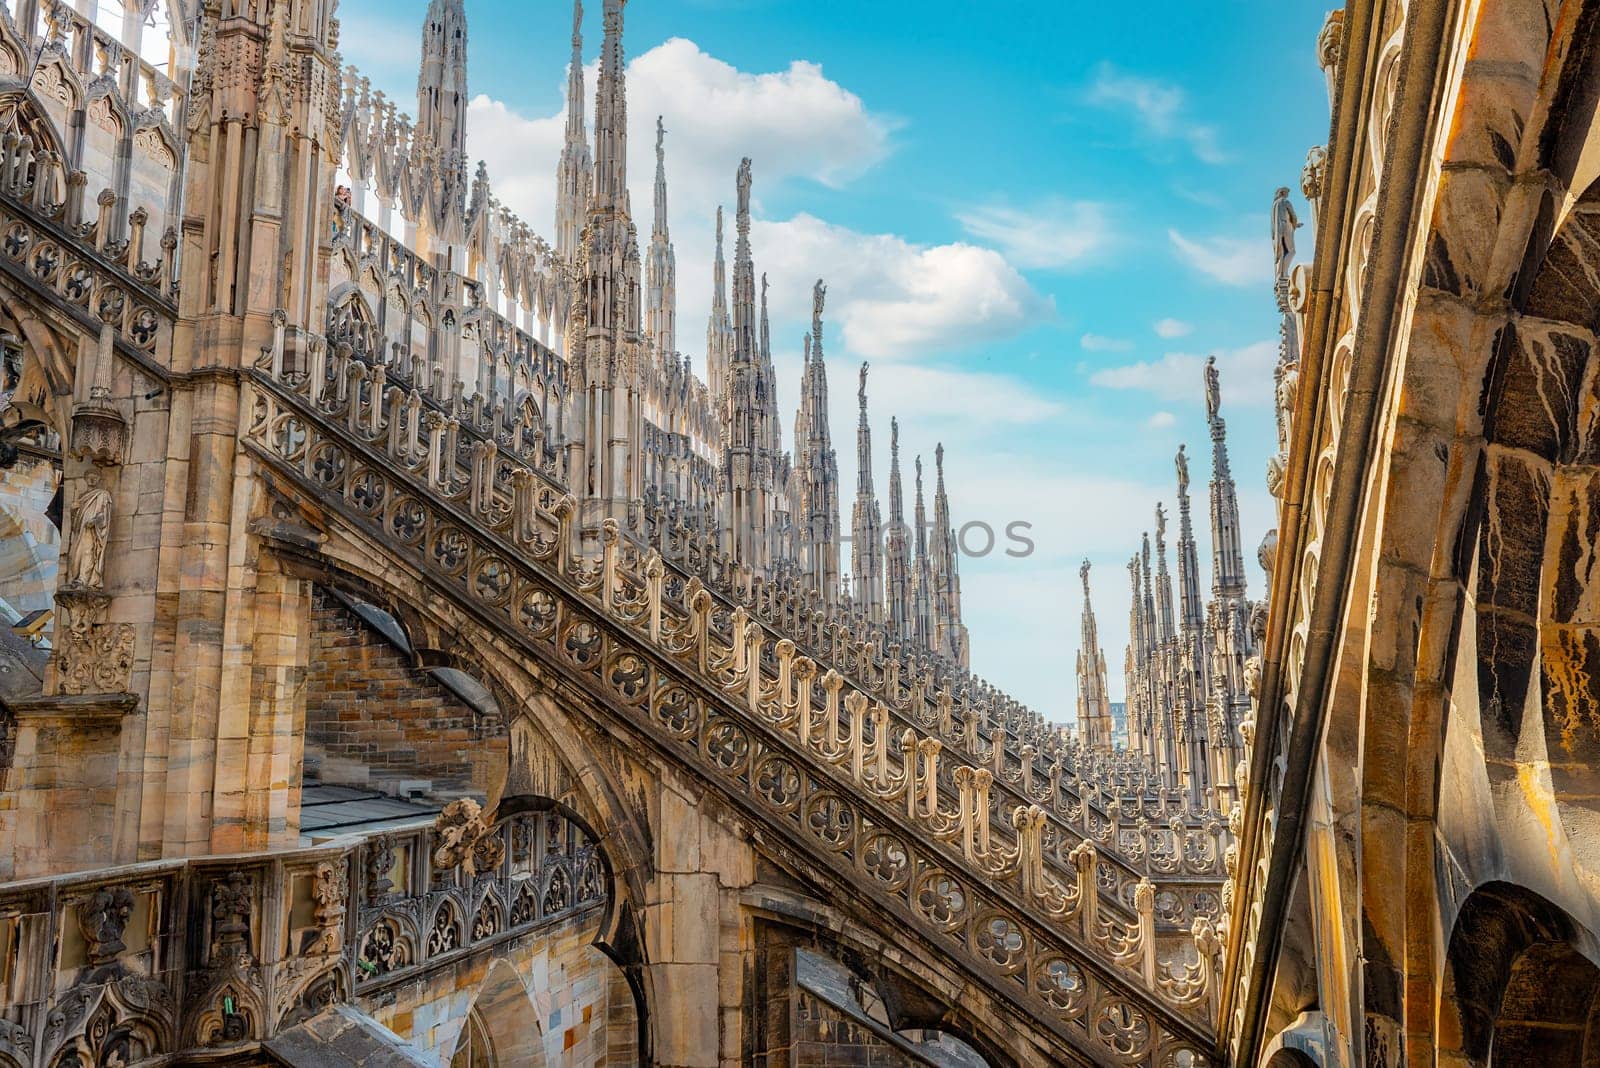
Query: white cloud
point(384, 49)
point(930, 394)
point(1234, 261)
point(890, 297)
point(1160, 108)
point(1161, 421)
point(1172, 328)
point(795, 124)
point(1100, 343)
point(1051, 234)
point(1246, 375)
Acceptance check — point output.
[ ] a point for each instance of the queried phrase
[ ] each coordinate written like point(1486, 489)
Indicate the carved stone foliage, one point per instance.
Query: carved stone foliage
point(99, 433)
point(91, 655)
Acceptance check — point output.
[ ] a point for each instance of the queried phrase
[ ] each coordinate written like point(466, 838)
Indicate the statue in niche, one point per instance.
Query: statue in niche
point(1284, 224)
point(91, 525)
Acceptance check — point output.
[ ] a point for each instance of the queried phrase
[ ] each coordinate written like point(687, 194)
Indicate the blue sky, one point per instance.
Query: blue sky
point(1035, 219)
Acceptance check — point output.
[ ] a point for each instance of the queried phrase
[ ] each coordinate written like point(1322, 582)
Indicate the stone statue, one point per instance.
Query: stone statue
point(91, 524)
point(1161, 523)
point(1213, 390)
point(819, 296)
point(742, 182)
point(1284, 224)
point(1181, 461)
point(1083, 573)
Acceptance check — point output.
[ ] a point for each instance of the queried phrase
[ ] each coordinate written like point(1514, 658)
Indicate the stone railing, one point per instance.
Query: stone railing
point(810, 755)
point(1108, 797)
point(488, 412)
point(221, 953)
point(989, 727)
point(1139, 833)
point(51, 244)
point(1138, 836)
point(1089, 797)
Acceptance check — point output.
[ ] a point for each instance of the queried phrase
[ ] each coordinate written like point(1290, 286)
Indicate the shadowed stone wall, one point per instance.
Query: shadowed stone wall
point(372, 720)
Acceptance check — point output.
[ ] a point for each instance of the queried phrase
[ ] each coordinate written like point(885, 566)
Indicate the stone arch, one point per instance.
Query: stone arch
point(601, 808)
point(507, 1025)
point(1291, 1058)
point(57, 90)
point(1520, 986)
point(351, 321)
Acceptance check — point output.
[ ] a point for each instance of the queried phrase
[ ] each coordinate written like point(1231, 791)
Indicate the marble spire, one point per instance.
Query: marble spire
point(749, 462)
point(1227, 541)
point(575, 171)
point(897, 572)
point(922, 576)
point(866, 525)
point(661, 266)
point(817, 472)
point(1191, 609)
point(950, 634)
point(1094, 704)
point(442, 86)
point(719, 329)
point(604, 332)
point(1165, 630)
point(611, 116)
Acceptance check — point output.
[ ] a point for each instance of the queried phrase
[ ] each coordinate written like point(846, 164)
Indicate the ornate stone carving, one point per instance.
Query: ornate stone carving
point(380, 862)
point(231, 906)
point(102, 919)
point(330, 890)
point(459, 831)
point(1330, 42)
point(1313, 174)
point(91, 655)
point(99, 433)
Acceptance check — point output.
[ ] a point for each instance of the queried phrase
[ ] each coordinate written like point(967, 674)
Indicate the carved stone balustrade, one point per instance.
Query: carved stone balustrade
point(222, 953)
point(835, 769)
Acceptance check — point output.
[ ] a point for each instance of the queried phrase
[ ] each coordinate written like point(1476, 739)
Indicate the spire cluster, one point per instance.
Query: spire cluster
point(619, 411)
point(1186, 693)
